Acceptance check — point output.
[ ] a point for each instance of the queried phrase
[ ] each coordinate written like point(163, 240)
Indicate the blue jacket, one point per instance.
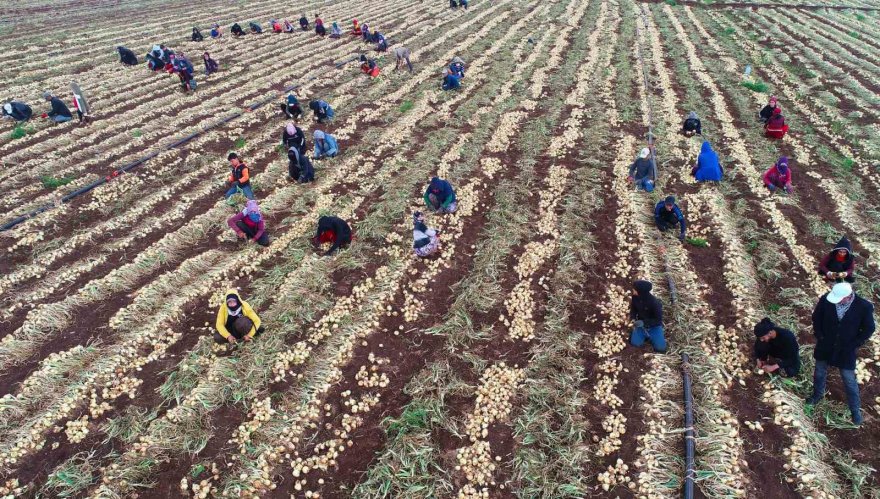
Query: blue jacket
point(442, 189)
point(330, 147)
point(451, 82)
point(662, 215)
point(708, 167)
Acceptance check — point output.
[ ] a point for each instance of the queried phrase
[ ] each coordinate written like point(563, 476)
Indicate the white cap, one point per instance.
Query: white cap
point(839, 292)
point(645, 153)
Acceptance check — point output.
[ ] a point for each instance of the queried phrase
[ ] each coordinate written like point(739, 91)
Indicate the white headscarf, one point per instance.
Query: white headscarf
point(8, 107)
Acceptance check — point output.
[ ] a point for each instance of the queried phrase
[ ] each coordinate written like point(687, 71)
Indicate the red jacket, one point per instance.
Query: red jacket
point(773, 177)
point(258, 227)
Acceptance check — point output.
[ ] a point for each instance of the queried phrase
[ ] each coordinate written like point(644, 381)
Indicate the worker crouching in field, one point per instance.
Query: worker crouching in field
point(236, 30)
point(288, 26)
point(369, 66)
point(291, 108)
point(440, 196)
point(323, 111)
point(215, 31)
point(646, 312)
point(320, 29)
point(325, 145)
point(255, 28)
point(839, 265)
point(335, 31)
point(59, 113)
point(767, 111)
point(641, 172)
point(249, 224)
point(425, 239)
point(692, 125)
point(334, 231)
point(842, 323)
point(776, 349)
point(667, 215)
point(304, 22)
point(211, 65)
point(450, 81)
point(381, 42)
point(18, 111)
point(402, 55)
point(236, 320)
point(293, 136)
point(778, 176)
point(299, 167)
point(239, 178)
point(197, 35)
point(126, 56)
point(776, 127)
point(708, 167)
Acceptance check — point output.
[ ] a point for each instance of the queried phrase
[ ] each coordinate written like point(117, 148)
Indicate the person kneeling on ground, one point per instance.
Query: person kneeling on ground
point(239, 178)
point(322, 110)
point(255, 27)
point(450, 81)
point(641, 172)
point(838, 265)
point(778, 176)
point(646, 312)
point(211, 65)
point(692, 125)
point(325, 145)
point(59, 112)
point(197, 35)
point(291, 107)
point(275, 25)
point(369, 67)
point(320, 29)
point(842, 323)
point(293, 136)
point(18, 111)
point(332, 230)
point(440, 196)
point(304, 22)
point(299, 166)
point(356, 28)
point(425, 239)
point(767, 111)
point(249, 224)
point(776, 349)
point(667, 215)
point(381, 42)
point(776, 127)
point(236, 30)
point(288, 27)
point(215, 31)
point(335, 31)
point(708, 167)
point(126, 56)
point(236, 320)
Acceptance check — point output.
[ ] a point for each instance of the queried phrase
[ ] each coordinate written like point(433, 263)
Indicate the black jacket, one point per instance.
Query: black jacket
point(339, 227)
point(236, 30)
point(59, 108)
point(692, 125)
point(766, 112)
point(838, 340)
point(126, 56)
point(783, 347)
point(297, 140)
point(20, 111)
point(197, 35)
point(646, 307)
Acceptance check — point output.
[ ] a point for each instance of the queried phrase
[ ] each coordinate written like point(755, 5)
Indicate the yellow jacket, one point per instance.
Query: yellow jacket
point(223, 314)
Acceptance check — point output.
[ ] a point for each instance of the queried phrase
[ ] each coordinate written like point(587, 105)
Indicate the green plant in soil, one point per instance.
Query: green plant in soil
point(239, 143)
point(854, 34)
point(756, 86)
point(52, 183)
point(20, 131)
point(406, 106)
point(136, 133)
point(72, 477)
point(697, 241)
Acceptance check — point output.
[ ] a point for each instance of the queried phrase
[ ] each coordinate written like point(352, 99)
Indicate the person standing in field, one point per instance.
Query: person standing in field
point(776, 349)
point(249, 224)
point(59, 113)
point(778, 176)
point(839, 265)
point(842, 323)
point(440, 196)
point(402, 55)
point(332, 230)
point(646, 312)
point(667, 215)
point(708, 167)
point(641, 172)
point(236, 321)
point(239, 178)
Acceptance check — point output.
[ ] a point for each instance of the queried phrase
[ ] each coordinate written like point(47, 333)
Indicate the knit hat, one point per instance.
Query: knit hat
point(764, 327)
point(643, 287)
point(319, 135)
point(669, 201)
point(645, 152)
point(839, 292)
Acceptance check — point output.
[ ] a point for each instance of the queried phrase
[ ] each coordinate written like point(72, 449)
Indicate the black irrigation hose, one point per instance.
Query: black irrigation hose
point(130, 166)
point(689, 437)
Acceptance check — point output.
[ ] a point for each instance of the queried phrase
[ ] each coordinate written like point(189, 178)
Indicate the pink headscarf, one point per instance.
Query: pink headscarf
point(251, 207)
point(291, 129)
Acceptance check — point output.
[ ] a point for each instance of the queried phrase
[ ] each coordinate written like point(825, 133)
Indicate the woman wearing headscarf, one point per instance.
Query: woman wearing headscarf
point(215, 31)
point(692, 125)
point(18, 111)
point(211, 65)
point(456, 67)
point(365, 32)
point(778, 176)
point(322, 110)
point(776, 127)
point(255, 27)
point(708, 167)
point(293, 136)
point(275, 25)
point(236, 320)
point(425, 239)
point(304, 22)
point(288, 27)
point(369, 66)
point(236, 30)
point(197, 35)
point(450, 81)
point(299, 166)
point(356, 29)
point(291, 107)
point(320, 29)
point(381, 42)
point(126, 56)
point(440, 196)
point(325, 145)
point(767, 111)
point(838, 266)
point(335, 31)
point(334, 231)
point(249, 224)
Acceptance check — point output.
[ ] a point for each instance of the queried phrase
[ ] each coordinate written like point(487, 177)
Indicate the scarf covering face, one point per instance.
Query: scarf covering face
point(235, 312)
point(251, 208)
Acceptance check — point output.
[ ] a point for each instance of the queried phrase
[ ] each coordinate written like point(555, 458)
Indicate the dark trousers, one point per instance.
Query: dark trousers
point(218, 338)
point(250, 233)
point(292, 112)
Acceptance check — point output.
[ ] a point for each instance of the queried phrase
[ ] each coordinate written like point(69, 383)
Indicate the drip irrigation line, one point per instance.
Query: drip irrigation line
point(177, 143)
